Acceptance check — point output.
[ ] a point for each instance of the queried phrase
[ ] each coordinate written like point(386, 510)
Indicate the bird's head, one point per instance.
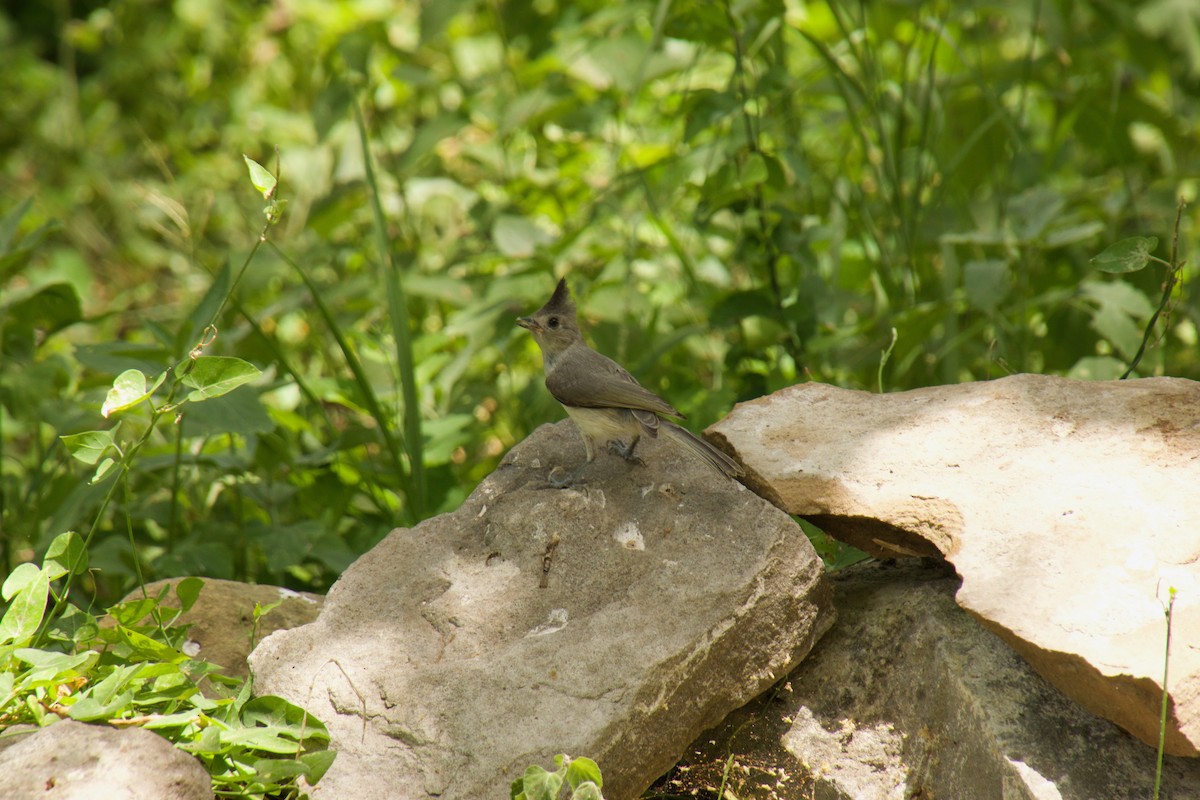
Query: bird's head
point(554, 326)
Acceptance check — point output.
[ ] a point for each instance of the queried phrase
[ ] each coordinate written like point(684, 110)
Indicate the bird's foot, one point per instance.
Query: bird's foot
point(570, 481)
point(625, 451)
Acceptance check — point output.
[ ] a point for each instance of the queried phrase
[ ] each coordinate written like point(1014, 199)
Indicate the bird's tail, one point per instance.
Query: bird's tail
point(702, 448)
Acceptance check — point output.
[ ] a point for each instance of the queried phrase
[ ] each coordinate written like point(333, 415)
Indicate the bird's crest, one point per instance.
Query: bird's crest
point(560, 302)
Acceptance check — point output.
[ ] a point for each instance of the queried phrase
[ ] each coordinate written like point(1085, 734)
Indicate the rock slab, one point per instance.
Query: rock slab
point(73, 761)
point(1068, 507)
point(910, 697)
point(614, 621)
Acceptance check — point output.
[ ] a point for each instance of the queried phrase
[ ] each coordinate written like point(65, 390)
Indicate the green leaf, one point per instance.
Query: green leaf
point(1127, 255)
point(8, 682)
point(1119, 296)
point(114, 683)
point(1097, 368)
point(736, 307)
point(1177, 21)
point(209, 742)
point(517, 237)
point(705, 23)
point(174, 720)
point(74, 626)
point(278, 770)
point(287, 766)
point(317, 763)
point(538, 784)
point(1034, 210)
point(11, 222)
point(188, 591)
point(16, 251)
point(706, 109)
point(986, 283)
point(261, 177)
point(331, 106)
point(112, 357)
point(89, 446)
point(426, 139)
point(233, 711)
point(88, 709)
point(1117, 328)
point(610, 62)
point(269, 740)
point(48, 664)
point(285, 545)
point(446, 434)
point(529, 108)
point(261, 611)
point(143, 648)
point(51, 307)
point(132, 612)
point(277, 713)
point(240, 412)
point(128, 390)
point(213, 376)
point(587, 791)
point(19, 579)
point(755, 171)
point(31, 587)
point(66, 554)
point(1119, 309)
point(583, 769)
point(101, 471)
point(1070, 234)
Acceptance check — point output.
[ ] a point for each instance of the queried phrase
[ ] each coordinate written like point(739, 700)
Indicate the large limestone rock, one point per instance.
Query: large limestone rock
point(73, 761)
point(908, 696)
point(614, 621)
point(1067, 507)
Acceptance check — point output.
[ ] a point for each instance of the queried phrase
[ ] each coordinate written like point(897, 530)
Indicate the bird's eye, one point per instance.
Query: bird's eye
point(552, 322)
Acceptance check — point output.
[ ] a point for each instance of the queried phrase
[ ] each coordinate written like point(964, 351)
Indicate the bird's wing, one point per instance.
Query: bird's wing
point(599, 382)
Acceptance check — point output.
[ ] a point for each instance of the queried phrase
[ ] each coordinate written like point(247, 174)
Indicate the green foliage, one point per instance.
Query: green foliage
point(580, 776)
point(744, 195)
point(128, 667)
point(1127, 255)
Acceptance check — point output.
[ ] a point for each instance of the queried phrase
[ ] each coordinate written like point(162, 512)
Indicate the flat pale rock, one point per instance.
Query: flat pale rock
point(71, 760)
point(908, 696)
point(1068, 507)
point(616, 621)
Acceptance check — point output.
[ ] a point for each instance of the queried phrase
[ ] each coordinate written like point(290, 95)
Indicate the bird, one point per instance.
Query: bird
point(607, 404)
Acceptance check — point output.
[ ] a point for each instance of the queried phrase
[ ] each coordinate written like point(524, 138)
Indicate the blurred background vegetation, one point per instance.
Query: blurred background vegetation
point(744, 195)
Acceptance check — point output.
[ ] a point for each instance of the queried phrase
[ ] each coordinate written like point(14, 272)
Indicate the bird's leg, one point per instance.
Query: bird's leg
point(572, 479)
point(569, 482)
point(625, 451)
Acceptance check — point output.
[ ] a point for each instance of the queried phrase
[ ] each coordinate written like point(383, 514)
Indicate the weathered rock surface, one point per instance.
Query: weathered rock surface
point(222, 620)
point(908, 696)
point(1067, 507)
point(73, 761)
point(442, 668)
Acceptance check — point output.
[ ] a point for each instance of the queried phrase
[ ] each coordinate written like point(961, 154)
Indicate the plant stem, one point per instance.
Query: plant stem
point(177, 372)
point(1162, 722)
point(1168, 287)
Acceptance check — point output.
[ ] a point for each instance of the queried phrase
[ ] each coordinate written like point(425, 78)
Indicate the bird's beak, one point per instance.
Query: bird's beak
point(529, 324)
